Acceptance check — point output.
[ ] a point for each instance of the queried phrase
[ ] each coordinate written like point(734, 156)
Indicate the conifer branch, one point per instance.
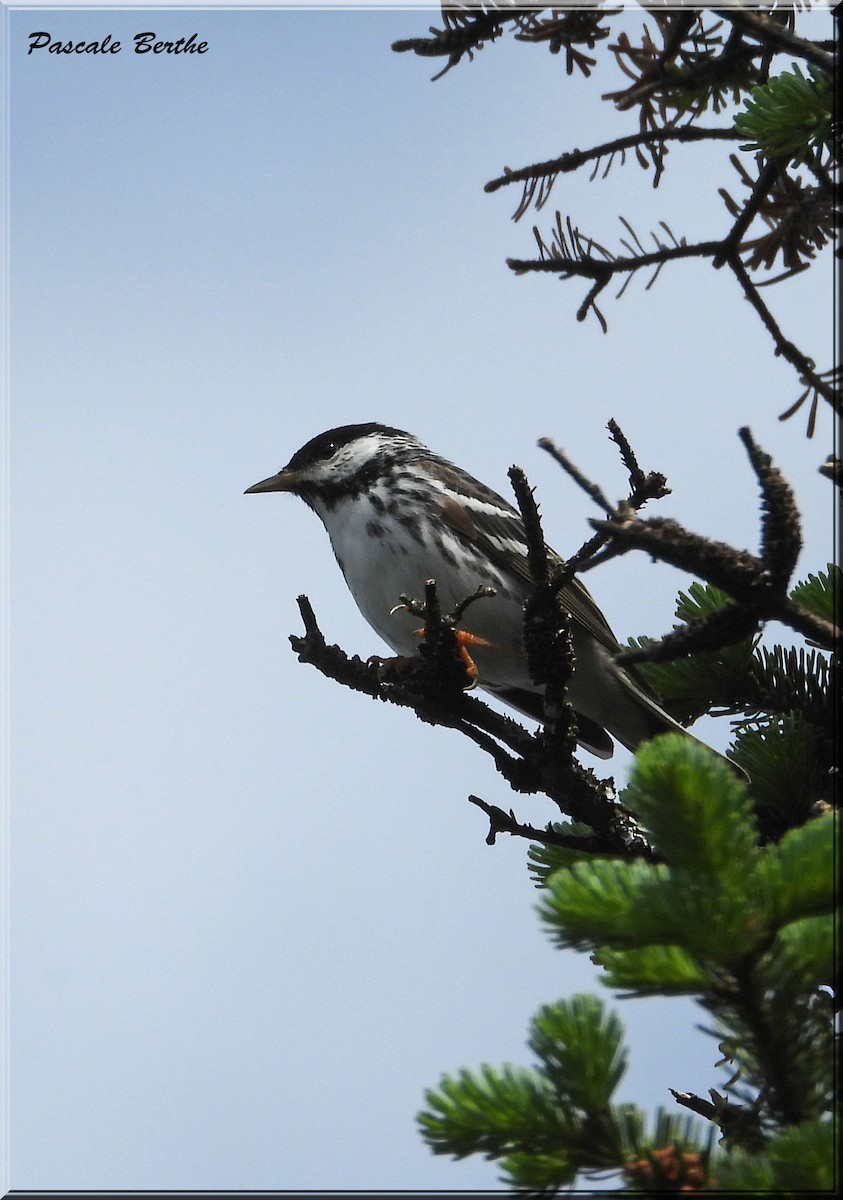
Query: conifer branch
point(572, 160)
point(680, 69)
point(772, 33)
point(791, 353)
point(530, 763)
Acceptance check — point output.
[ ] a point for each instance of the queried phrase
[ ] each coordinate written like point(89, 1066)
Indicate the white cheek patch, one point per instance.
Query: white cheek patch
point(351, 458)
point(348, 460)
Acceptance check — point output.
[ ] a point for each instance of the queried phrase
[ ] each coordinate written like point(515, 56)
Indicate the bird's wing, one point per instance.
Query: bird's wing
point(484, 515)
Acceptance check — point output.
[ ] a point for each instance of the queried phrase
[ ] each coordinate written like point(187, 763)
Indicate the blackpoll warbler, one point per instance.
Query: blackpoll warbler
point(397, 514)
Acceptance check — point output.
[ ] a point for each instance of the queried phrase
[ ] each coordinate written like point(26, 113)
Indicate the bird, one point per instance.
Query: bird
point(397, 514)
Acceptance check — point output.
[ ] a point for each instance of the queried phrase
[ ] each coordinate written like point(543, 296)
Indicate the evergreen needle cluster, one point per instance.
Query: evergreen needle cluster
point(790, 116)
point(747, 930)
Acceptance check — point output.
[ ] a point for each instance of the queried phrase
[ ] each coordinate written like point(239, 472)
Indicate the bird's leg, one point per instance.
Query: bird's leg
point(428, 611)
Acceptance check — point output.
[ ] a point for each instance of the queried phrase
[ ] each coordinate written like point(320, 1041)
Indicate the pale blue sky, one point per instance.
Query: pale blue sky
point(254, 915)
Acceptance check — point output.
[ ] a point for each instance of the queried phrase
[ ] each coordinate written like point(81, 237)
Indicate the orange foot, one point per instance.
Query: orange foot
point(464, 640)
point(396, 665)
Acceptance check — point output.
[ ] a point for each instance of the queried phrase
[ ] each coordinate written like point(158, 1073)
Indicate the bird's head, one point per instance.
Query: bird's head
point(343, 462)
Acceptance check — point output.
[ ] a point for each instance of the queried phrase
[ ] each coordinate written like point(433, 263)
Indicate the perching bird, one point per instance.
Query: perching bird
point(397, 514)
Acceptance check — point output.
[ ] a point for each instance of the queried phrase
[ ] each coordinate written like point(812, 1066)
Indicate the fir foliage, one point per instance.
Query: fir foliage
point(795, 1163)
point(548, 1125)
point(746, 929)
point(783, 699)
point(689, 686)
point(789, 116)
point(545, 859)
point(820, 593)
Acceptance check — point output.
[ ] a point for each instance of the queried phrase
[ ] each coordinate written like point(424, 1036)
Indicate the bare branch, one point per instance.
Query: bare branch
point(680, 69)
point(530, 763)
point(572, 160)
point(770, 32)
point(788, 351)
point(502, 822)
point(463, 34)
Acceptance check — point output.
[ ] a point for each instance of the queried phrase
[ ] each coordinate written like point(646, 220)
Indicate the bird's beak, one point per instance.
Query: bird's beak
point(284, 481)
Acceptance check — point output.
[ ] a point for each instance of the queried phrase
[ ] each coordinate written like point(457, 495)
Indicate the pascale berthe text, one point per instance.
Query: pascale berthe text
point(145, 43)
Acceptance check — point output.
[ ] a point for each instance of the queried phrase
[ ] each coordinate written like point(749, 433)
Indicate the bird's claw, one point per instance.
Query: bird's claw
point(463, 638)
point(418, 608)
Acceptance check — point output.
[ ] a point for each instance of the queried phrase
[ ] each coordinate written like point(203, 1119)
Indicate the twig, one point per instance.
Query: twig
point(502, 822)
point(770, 32)
point(456, 39)
point(785, 348)
point(536, 548)
point(781, 534)
point(652, 486)
point(572, 160)
point(601, 270)
point(741, 1125)
point(594, 268)
point(591, 489)
point(733, 238)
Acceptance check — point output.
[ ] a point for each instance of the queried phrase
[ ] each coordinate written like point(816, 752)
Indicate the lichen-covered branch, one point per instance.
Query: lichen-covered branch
point(431, 687)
